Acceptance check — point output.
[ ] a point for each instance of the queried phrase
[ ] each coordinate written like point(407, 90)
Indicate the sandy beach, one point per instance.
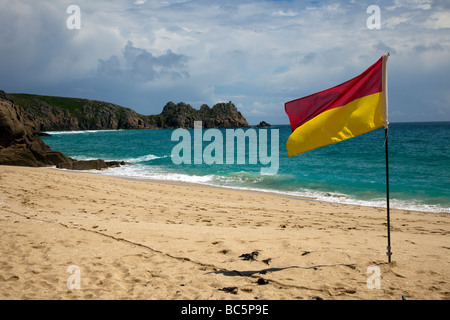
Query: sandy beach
point(132, 239)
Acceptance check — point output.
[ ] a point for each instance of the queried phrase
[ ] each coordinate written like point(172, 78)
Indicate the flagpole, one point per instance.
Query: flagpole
point(389, 253)
point(386, 131)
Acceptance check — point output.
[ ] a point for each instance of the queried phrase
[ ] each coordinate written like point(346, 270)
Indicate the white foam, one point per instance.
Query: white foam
point(147, 157)
point(158, 173)
point(78, 132)
point(82, 158)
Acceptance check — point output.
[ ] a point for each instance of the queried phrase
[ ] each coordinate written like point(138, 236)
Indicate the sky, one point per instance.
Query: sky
point(142, 54)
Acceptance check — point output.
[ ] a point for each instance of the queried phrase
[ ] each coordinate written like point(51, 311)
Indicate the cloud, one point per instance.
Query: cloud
point(140, 65)
point(439, 20)
point(259, 54)
point(421, 48)
point(282, 13)
point(411, 4)
point(110, 67)
point(441, 4)
point(380, 46)
point(140, 2)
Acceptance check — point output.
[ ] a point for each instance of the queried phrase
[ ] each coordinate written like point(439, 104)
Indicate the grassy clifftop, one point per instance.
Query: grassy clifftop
point(60, 113)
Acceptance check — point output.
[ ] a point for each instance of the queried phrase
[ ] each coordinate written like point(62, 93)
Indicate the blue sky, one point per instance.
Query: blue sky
point(258, 54)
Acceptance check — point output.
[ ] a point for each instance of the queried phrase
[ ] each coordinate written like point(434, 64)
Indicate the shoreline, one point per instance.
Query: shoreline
point(136, 239)
point(284, 194)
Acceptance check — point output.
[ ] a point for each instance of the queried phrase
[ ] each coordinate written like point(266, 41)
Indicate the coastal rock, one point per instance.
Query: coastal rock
point(66, 114)
point(181, 115)
point(24, 116)
point(21, 145)
point(98, 164)
point(263, 124)
point(52, 113)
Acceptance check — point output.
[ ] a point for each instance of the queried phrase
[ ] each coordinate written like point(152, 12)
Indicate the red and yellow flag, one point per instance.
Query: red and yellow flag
point(345, 111)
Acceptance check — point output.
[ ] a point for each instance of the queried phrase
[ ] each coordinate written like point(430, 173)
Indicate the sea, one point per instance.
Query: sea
point(352, 171)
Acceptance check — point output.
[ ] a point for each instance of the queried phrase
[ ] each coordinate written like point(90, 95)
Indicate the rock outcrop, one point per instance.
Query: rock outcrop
point(20, 144)
point(64, 114)
point(181, 115)
point(263, 124)
point(98, 164)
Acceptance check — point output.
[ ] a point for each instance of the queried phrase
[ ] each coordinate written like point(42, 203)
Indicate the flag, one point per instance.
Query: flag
point(345, 111)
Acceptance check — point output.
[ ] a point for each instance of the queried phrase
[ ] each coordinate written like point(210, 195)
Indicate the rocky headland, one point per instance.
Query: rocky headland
point(23, 117)
point(21, 145)
point(52, 113)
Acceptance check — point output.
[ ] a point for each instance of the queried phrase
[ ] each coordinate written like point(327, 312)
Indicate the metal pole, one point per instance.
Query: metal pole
point(389, 253)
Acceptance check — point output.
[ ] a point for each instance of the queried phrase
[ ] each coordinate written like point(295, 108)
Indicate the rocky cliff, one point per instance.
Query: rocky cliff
point(181, 115)
point(20, 144)
point(24, 116)
point(65, 114)
point(60, 114)
point(19, 139)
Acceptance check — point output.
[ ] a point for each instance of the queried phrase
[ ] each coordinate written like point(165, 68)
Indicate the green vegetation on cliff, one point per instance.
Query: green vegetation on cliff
point(59, 113)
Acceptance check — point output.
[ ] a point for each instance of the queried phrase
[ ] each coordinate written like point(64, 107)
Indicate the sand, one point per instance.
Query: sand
point(127, 239)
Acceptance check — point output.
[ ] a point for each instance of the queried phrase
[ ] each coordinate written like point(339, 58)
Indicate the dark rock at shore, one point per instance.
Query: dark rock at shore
point(98, 164)
point(20, 143)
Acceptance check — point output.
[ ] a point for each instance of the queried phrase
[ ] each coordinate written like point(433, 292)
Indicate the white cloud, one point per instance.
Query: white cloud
point(411, 4)
point(395, 21)
point(282, 13)
point(140, 65)
point(439, 20)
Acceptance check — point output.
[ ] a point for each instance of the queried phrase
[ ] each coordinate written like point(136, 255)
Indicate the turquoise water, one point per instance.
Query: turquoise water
point(351, 171)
